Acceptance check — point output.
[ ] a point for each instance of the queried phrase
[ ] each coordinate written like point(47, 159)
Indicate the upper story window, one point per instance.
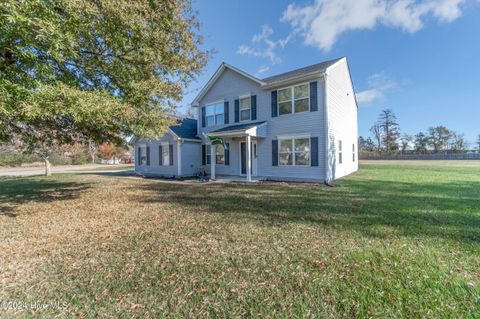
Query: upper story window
point(294, 99)
point(214, 114)
point(245, 108)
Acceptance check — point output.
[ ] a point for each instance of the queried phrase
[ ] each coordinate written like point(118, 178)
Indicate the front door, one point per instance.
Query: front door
point(243, 158)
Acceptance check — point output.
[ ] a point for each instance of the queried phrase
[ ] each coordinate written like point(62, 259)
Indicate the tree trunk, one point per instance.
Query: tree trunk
point(48, 167)
point(93, 158)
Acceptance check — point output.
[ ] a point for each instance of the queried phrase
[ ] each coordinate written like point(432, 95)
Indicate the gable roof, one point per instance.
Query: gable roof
point(238, 127)
point(217, 74)
point(314, 68)
point(186, 128)
point(269, 81)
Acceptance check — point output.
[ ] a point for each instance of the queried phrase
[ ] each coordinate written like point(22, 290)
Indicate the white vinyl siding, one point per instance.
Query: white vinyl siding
point(294, 99)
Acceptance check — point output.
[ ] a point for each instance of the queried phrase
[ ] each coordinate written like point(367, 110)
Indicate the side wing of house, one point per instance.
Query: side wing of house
point(157, 157)
point(341, 115)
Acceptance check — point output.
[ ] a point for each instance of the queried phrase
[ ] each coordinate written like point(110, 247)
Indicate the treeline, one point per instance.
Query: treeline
point(387, 139)
point(75, 154)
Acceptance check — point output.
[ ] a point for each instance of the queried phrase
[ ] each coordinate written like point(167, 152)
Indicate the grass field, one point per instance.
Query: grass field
point(394, 240)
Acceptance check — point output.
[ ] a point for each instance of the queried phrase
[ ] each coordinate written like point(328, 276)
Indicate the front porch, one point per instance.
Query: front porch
point(245, 138)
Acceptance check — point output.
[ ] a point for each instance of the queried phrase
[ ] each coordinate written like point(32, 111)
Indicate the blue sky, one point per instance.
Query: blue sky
point(419, 58)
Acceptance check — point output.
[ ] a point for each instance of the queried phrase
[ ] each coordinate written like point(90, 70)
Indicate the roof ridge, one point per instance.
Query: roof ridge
point(329, 62)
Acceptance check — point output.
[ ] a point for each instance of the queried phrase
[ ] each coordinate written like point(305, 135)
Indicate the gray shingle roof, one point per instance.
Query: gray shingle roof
point(299, 72)
point(238, 127)
point(186, 128)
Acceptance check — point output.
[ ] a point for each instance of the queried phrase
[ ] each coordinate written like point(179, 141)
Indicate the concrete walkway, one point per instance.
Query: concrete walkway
point(89, 168)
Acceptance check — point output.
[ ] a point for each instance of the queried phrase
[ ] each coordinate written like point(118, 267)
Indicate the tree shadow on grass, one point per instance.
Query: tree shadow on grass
point(15, 191)
point(375, 208)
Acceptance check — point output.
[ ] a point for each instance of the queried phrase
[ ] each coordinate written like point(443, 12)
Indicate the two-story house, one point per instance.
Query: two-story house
point(300, 125)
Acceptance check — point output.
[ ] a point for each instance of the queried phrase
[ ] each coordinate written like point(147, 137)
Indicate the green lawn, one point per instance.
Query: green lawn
point(394, 240)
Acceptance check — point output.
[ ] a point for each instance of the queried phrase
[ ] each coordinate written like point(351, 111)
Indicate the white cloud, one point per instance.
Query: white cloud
point(263, 46)
point(322, 22)
point(262, 69)
point(378, 85)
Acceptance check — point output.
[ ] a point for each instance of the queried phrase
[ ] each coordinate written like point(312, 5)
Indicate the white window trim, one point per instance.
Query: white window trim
point(292, 138)
point(165, 146)
point(292, 92)
point(240, 97)
point(214, 114)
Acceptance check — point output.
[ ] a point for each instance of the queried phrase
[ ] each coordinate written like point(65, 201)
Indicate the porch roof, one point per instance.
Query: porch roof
point(241, 129)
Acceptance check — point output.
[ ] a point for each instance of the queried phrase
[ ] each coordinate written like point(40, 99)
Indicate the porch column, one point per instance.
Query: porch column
point(249, 158)
point(212, 161)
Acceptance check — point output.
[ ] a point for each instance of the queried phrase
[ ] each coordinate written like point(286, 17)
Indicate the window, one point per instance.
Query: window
point(219, 154)
point(143, 155)
point(285, 101)
point(245, 108)
point(353, 152)
point(295, 151)
point(294, 99)
point(339, 152)
point(165, 154)
point(214, 114)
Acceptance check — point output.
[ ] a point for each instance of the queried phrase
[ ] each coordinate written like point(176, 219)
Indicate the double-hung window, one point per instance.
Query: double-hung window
point(294, 151)
point(245, 108)
point(353, 152)
point(214, 114)
point(219, 154)
point(143, 155)
point(294, 99)
point(340, 153)
point(165, 154)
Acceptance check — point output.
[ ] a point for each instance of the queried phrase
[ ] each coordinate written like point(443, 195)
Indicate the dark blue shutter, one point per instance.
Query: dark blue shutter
point(160, 155)
point(225, 111)
point(170, 153)
point(227, 154)
point(253, 100)
point(139, 150)
point(237, 110)
point(148, 155)
point(274, 152)
point(314, 151)
point(274, 104)
point(204, 154)
point(203, 116)
point(313, 97)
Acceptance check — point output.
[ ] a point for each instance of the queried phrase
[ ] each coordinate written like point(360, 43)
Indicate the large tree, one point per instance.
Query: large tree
point(421, 143)
point(376, 130)
point(387, 121)
point(405, 141)
point(478, 142)
point(458, 142)
point(439, 137)
point(93, 70)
